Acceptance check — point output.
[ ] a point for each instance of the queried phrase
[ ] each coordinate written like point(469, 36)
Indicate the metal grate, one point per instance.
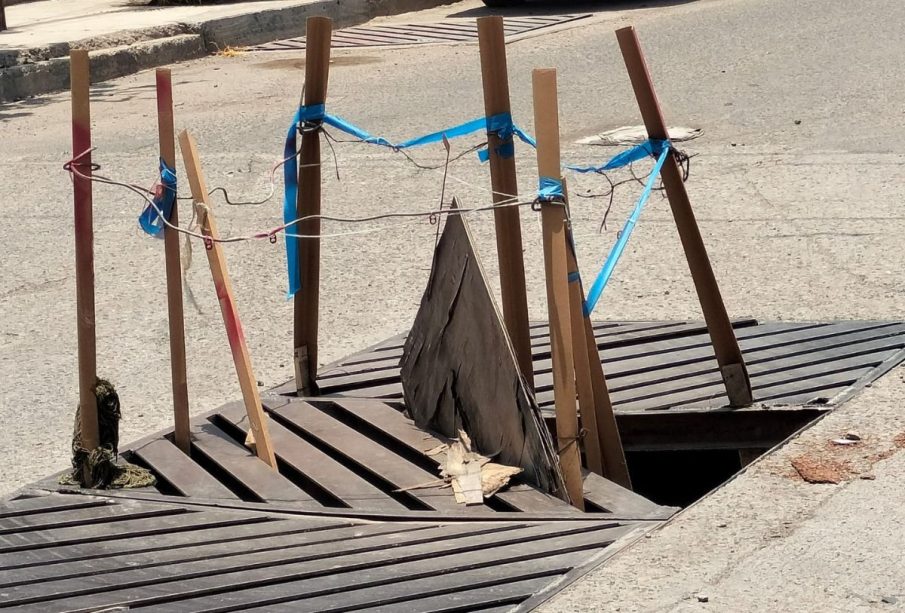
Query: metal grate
point(451, 31)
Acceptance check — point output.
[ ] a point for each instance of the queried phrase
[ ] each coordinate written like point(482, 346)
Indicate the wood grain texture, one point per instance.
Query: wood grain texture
point(80, 79)
point(504, 183)
point(553, 222)
point(306, 303)
point(228, 309)
point(725, 345)
point(175, 316)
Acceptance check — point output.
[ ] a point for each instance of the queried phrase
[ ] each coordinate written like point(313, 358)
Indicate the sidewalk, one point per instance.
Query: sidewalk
point(125, 36)
point(771, 541)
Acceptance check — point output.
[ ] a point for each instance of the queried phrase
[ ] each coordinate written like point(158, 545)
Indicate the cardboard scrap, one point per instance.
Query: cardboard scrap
point(459, 371)
point(473, 477)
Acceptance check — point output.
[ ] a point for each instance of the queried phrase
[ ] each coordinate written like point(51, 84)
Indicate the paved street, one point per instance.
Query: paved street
point(798, 184)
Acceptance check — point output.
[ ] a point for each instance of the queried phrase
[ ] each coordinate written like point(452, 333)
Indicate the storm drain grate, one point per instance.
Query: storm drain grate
point(451, 31)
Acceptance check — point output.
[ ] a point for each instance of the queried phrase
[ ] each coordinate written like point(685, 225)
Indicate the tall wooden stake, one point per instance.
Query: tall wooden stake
point(308, 202)
point(495, 76)
point(553, 217)
point(79, 73)
point(167, 138)
point(725, 344)
point(603, 444)
point(247, 382)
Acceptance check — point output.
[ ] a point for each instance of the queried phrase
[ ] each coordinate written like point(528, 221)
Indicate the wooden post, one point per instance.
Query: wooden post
point(80, 78)
point(247, 382)
point(603, 444)
point(503, 181)
point(167, 139)
point(308, 202)
point(553, 217)
point(2, 16)
point(582, 359)
point(725, 344)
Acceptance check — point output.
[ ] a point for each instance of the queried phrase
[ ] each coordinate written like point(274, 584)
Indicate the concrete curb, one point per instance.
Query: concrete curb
point(32, 72)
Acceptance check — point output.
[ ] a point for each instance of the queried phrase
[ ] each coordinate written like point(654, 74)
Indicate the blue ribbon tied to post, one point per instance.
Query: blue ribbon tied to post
point(152, 218)
point(315, 115)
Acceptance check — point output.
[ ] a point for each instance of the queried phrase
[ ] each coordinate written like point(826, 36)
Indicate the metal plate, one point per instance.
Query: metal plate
point(449, 31)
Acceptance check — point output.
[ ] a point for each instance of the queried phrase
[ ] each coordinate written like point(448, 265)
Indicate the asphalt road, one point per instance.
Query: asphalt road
point(797, 183)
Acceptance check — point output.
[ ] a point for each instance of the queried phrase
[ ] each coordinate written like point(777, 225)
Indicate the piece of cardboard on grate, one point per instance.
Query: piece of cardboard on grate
point(459, 370)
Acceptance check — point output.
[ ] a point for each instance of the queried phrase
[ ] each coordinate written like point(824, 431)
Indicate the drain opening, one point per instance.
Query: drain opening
point(680, 477)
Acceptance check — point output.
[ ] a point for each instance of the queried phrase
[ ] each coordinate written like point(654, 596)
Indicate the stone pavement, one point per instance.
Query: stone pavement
point(127, 36)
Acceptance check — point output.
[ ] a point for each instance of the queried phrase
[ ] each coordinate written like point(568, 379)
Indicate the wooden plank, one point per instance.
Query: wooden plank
point(79, 69)
point(504, 184)
point(174, 582)
point(766, 386)
point(372, 370)
point(825, 386)
point(694, 346)
point(681, 363)
point(644, 370)
point(369, 455)
point(475, 599)
point(48, 504)
point(394, 424)
point(392, 347)
point(234, 333)
point(169, 565)
point(264, 536)
point(644, 333)
point(725, 345)
point(326, 472)
point(607, 334)
point(869, 351)
point(54, 537)
point(649, 367)
point(318, 31)
point(620, 501)
point(175, 318)
point(81, 517)
point(189, 479)
point(441, 592)
point(170, 531)
point(265, 483)
point(693, 356)
point(553, 220)
point(424, 552)
point(459, 371)
point(588, 543)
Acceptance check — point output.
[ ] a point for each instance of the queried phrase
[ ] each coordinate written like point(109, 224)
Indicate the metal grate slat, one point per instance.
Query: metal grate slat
point(443, 32)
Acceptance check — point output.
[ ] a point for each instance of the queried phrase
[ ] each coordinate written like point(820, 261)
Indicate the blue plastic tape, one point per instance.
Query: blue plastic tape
point(550, 189)
point(150, 220)
point(290, 192)
point(603, 277)
point(649, 148)
point(500, 124)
